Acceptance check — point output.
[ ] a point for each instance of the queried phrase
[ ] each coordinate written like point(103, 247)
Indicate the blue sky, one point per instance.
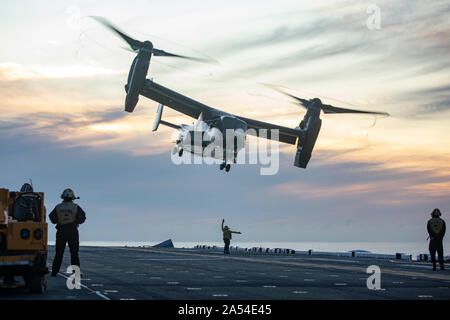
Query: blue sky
point(63, 124)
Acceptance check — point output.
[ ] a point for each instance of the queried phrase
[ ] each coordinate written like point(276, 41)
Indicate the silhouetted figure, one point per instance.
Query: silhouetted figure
point(25, 208)
point(67, 216)
point(26, 205)
point(436, 230)
point(227, 235)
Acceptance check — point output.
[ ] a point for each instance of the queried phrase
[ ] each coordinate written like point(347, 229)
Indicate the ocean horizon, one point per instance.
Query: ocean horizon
point(412, 248)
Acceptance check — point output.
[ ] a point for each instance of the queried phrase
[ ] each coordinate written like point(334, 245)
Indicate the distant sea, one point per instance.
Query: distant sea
point(413, 248)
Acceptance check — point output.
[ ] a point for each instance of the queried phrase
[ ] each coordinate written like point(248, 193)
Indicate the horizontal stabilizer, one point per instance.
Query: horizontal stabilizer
point(168, 124)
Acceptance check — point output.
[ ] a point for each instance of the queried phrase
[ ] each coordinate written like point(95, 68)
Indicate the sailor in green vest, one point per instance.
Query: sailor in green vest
point(227, 237)
point(67, 216)
point(436, 230)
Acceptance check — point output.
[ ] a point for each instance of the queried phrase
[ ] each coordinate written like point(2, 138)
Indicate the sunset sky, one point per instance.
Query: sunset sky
point(62, 122)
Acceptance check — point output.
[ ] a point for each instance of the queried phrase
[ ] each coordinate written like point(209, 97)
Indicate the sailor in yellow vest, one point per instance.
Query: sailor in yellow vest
point(67, 216)
point(436, 230)
point(227, 237)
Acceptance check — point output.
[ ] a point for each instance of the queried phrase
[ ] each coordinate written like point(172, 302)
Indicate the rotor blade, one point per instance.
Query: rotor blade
point(133, 43)
point(162, 53)
point(303, 102)
point(330, 109)
point(128, 49)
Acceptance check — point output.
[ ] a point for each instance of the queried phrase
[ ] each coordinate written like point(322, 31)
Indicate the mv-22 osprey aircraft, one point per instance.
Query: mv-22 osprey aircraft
point(211, 122)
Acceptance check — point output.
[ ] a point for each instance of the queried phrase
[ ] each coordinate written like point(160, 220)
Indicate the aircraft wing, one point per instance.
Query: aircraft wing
point(286, 135)
point(193, 108)
point(177, 101)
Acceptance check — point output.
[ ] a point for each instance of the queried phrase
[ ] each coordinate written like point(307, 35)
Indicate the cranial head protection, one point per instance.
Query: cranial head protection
point(68, 194)
point(436, 213)
point(26, 188)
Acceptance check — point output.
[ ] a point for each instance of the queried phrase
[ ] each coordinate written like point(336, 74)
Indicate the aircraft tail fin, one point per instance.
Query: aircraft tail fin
point(159, 121)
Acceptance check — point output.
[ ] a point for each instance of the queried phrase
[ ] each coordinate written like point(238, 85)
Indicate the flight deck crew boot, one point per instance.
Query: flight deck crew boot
point(434, 266)
point(442, 267)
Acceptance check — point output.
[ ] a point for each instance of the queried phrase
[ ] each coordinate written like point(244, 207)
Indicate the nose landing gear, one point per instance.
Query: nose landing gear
point(177, 149)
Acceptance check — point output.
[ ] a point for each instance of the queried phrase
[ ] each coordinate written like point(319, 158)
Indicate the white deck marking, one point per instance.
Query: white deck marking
point(172, 282)
point(193, 288)
point(241, 280)
point(220, 295)
point(416, 266)
point(269, 286)
point(300, 292)
point(305, 264)
point(175, 259)
point(155, 277)
point(87, 288)
point(340, 284)
point(424, 296)
point(97, 285)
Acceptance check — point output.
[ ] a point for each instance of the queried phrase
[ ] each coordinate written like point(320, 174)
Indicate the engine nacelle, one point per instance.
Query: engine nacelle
point(307, 141)
point(136, 79)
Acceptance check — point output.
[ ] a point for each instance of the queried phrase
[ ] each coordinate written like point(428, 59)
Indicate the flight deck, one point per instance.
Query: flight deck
point(136, 273)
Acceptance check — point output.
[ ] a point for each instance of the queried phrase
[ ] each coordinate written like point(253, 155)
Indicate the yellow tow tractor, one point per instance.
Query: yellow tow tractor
point(23, 238)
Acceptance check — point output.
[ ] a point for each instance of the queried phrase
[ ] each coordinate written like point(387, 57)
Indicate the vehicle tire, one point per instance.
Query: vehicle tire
point(36, 283)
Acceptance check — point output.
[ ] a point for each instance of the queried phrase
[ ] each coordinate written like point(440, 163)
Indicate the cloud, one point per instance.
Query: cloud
point(13, 71)
point(63, 124)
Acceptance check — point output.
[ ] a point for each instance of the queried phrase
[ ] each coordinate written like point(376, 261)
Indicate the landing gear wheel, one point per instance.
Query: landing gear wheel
point(227, 167)
point(222, 165)
point(36, 283)
point(180, 153)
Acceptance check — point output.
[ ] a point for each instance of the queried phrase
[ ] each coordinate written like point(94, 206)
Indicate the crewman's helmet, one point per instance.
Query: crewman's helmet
point(26, 188)
point(68, 194)
point(226, 228)
point(436, 213)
